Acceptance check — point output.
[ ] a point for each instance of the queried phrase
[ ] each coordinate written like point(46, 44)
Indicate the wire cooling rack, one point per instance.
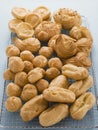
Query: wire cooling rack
point(13, 120)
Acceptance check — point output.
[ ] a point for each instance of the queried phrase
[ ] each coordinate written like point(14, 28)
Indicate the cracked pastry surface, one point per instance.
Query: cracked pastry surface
point(65, 46)
point(13, 90)
point(67, 18)
point(81, 86)
point(12, 50)
point(53, 114)
point(13, 104)
point(29, 91)
point(82, 105)
point(8, 74)
point(80, 59)
point(74, 72)
point(47, 29)
point(27, 66)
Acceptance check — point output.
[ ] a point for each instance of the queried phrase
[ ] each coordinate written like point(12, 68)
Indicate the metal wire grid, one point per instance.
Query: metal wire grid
point(13, 120)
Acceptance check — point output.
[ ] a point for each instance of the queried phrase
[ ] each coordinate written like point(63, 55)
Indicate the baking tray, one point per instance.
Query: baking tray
point(13, 120)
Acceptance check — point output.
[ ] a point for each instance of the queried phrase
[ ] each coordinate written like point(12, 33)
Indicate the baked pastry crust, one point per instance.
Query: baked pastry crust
point(34, 19)
point(67, 18)
point(24, 30)
point(65, 46)
point(81, 86)
point(27, 66)
point(82, 105)
point(30, 44)
point(36, 74)
point(74, 72)
point(43, 12)
point(8, 74)
point(57, 94)
point(40, 61)
point(33, 108)
point(13, 24)
point(47, 29)
point(80, 59)
point(78, 32)
point(13, 104)
point(19, 12)
point(29, 91)
point(52, 73)
point(53, 114)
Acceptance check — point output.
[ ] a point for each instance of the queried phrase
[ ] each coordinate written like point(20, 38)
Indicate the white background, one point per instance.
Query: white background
point(88, 8)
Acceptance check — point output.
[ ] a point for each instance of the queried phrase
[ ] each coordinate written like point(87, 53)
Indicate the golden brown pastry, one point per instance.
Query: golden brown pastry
point(13, 104)
point(21, 78)
point(53, 114)
point(80, 59)
point(47, 29)
point(55, 62)
point(13, 89)
point(60, 81)
point(29, 91)
point(74, 72)
point(27, 66)
point(43, 12)
point(46, 51)
point(67, 18)
point(52, 73)
point(82, 105)
point(19, 12)
point(81, 86)
point(27, 56)
point(36, 74)
point(24, 30)
point(78, 32)
point(33, 108)
point(34, 19)
point(40, 61)
point(41, 85)
point(57, 94)
point(8, 74)
point(52, 41)
point(13, 24)
point(84, 45)
point(12, 50)
point(65, 46)
point(16, 64)
point(30, 44)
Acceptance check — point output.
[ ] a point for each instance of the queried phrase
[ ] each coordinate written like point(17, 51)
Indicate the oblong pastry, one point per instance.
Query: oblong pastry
point(80, 59)
point(74, 72)
point(57, 94)
point(84, 45)
point(33, 108)
point(53, 114)
point(30, 44)
point(65, 46)
point(67, 18)
point(81, 86)
point(82, 105)
point(33, 19)
point(60, 81)
point(47, 29)
point(43, 12)
point(13, 24)
point(78, 32)
point(24, 30)
point(36, 74)
point(19, 12)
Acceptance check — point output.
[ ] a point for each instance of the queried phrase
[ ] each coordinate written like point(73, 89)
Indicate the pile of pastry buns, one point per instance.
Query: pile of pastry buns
point(47, 66)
